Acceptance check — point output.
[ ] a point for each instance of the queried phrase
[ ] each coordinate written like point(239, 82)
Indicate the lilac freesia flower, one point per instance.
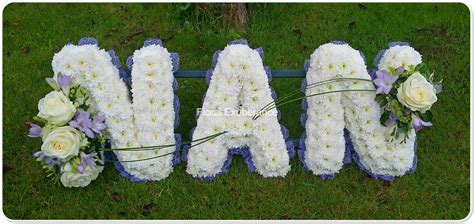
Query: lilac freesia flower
point(83, 122)
point(392, 118)
point(384, 81)
point(86, 160)
point(35, 131)
point(417, 123)
point(399, 70)
point(52, 83)
point(48, 160)
point(98, 124)
point(438, 88)
point(65, 81)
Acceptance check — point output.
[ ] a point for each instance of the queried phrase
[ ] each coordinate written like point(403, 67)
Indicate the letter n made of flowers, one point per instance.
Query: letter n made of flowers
point(147, 121)
point(344, 126)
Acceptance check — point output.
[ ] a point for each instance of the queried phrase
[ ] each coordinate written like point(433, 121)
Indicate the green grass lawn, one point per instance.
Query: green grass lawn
point(288, 33)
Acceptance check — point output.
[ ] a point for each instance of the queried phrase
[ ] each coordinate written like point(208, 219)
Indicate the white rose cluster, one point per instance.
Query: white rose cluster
point(56, 108)
point(152, 90)
point(72, 178)
point(417, 93)
point(357, 111)
point(92, 69)
point(63, 143)
point(397, 56)
point(238, 83)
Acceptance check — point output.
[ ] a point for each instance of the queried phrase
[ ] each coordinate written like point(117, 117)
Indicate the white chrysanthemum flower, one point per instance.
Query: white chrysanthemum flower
point(397, 56)
point(357, 111)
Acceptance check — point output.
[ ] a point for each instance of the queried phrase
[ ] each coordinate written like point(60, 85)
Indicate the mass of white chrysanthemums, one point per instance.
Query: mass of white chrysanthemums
point(151, 111)
point(397, 56)
point(92, 68)
point(152, 91)
point(239, 83)
point(357, 111)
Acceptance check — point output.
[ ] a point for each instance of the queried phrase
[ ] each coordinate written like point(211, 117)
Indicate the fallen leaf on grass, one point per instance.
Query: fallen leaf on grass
point(116, 196)
point(7, 168)
point(386, 184)
point(147, 209)
point(25, 50)
point(362, 6)
point(297, 31)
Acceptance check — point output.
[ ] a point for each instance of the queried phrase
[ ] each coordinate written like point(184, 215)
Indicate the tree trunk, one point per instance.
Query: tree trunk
point(236, 14)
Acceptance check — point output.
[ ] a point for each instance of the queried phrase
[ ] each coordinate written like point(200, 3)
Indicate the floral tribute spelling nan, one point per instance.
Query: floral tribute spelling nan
point(350, 114)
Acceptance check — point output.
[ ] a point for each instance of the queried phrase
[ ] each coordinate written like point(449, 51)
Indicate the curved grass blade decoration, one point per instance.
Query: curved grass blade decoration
point(312, 86)
point(320, 94)
point(197, 141)
point(145, 148)
point(281, 101)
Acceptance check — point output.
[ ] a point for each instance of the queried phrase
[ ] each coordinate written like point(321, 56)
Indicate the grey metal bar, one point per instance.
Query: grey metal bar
point(201, 73)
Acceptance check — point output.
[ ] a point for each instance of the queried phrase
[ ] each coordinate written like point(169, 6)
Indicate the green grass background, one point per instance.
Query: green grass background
point(288, 33)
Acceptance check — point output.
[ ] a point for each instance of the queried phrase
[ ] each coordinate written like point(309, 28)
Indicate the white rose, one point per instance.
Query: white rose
point(56, 108)
point(72, 178)
point(63, 143)
point(417, 93)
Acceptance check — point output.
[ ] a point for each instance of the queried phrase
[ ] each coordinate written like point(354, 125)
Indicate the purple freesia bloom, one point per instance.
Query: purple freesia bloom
point(392, 118)
point(399, 70)
point(98, 124)
point(48, 160)
point(65, 81)
point(438, 88)
point(418, 124)
point(86, 160)
point(384, 81)
point(52, 83)
point(83, 122)
point(35, 131)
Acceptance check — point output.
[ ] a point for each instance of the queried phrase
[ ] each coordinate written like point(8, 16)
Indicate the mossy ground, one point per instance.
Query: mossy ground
point(288, 33)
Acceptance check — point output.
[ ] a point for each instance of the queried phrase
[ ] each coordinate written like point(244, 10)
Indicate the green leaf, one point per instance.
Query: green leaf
point(40, 120)
point(381, 100)
point(420, 66)
point(384, 117)
point(391, 70)
point(184, 6)
point(427, 116)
